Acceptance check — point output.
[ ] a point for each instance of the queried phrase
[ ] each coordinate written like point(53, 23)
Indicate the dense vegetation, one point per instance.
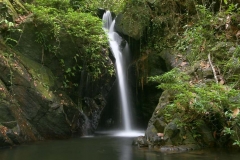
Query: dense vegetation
point(202, 34)
point(209, 38)
point(74, 19)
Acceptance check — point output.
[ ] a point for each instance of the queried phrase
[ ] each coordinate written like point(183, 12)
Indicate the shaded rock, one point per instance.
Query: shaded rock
point(150, 132)
point(151, 1)
point(31, 110)
point(6, 117)
point(133, 21)
point(179, 148)
point(206, 135)
point(152, 137)
point(187, 137)
point(171, 130)
point(33, 104)
point(234, 136)
point(9, 124)
point(205, 73)
point(170, 59)
point(4, 142)
point(100, 12)
point(95, 108)
point(13, 134)
point(159, 125)
point(140, 142)
point(174, 138)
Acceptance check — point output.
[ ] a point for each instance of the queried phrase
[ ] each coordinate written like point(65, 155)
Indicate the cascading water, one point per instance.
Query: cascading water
point(117, 49)
point(115, 42)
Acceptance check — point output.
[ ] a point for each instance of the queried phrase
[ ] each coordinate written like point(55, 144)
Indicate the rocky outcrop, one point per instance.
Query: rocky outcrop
point(167, 29)
point(168, 136)
point(133, 21)
point(166, 132)
point(34, 104)
point(30, 110)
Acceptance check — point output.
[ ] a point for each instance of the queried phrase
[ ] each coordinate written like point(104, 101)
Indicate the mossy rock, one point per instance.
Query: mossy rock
point(133, 20)
point(42, 76)
point(159, 125)
point(5, 113)
point(151, 132)
point(171, 130)
point(206, 134)
point(10, 124)
point(187, 137)
point(13, 7)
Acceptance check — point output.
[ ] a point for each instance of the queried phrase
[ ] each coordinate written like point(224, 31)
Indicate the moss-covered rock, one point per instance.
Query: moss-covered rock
point(134, 19)
point(33, 107)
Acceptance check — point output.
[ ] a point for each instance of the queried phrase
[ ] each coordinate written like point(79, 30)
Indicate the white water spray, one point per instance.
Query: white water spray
point(115, 42)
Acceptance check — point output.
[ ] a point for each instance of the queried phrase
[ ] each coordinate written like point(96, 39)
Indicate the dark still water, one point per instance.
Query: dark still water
point(103, 148)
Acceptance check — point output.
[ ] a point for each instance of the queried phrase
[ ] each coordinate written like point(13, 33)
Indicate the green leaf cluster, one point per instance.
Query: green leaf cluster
point(90, 6)
point(217, 104)
point(199, 101)
point(84, 29)
point(205, 37)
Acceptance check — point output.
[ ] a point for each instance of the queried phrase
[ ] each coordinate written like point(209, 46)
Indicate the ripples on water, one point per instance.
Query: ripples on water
point(104, 147)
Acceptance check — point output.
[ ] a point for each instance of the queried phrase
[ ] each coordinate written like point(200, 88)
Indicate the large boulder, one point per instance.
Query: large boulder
point(134, 20)
point(30, 110)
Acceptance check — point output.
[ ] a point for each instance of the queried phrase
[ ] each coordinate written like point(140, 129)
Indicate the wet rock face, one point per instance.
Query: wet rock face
point(95, 107)
point(28, 110)
point(32, 104)
point(8, 126)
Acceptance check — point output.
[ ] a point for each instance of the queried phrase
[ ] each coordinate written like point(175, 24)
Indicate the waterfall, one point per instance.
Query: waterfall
point(117, 49)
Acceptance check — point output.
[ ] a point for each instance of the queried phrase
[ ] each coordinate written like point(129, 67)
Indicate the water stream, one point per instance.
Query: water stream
point(119, 51)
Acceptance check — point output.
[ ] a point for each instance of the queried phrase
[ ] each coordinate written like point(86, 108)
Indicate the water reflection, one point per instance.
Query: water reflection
point(125, 153)
point(104, 148)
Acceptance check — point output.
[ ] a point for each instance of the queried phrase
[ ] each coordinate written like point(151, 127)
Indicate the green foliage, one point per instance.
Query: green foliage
point(8, 13)
point(62, 18)
point(231, 66)
point(9, 26)
point(90, 6)
point(84, 25)
point(202, 38)
point(115, 6)
point(57, 4)
point(7, 58)
point(9, 29)
point(227, 131)
point(198, 101)
point(196, 39)
point(237, 142)
point(233, 8)
point(194, 31)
